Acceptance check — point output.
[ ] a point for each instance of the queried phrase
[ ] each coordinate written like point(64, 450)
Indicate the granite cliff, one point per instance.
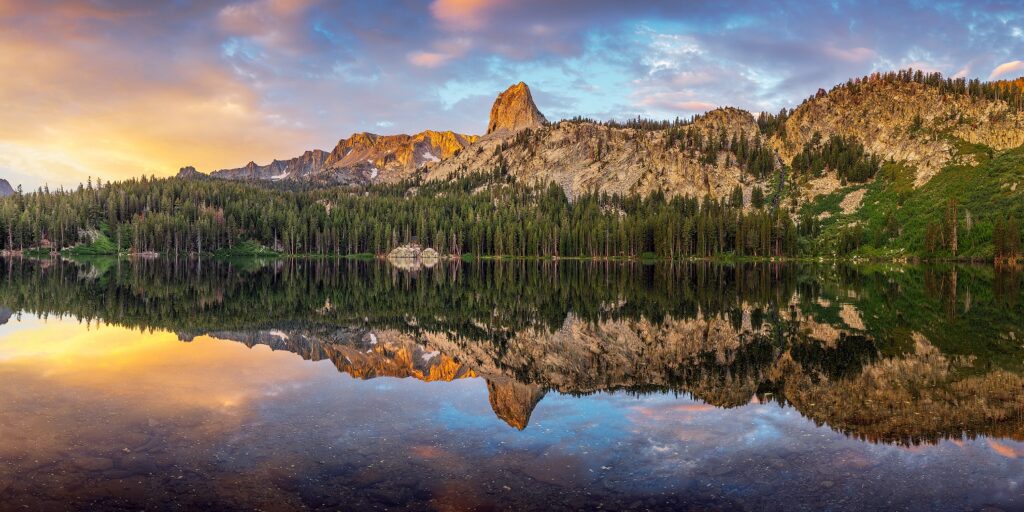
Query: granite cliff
point(514, 110)
point(920, 120)
point(361, 159)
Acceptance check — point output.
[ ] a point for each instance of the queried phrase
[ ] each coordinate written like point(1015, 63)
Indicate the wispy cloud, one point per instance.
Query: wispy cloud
point(1007, 68)
point(117, 89)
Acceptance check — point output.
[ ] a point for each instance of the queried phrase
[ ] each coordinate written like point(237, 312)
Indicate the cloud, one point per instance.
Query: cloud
point(444, 51)
point(1005, 68)
point(674, 102)
point(463, 14)
point(859, 54)
point(117, 89)
point(428, 59)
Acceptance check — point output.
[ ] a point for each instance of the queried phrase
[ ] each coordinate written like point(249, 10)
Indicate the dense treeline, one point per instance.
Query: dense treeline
point(482, 300)
point(770, 124)
point(844, 155)
point(495, 300)
point(1010, 92)
point(483, 214)
point(1006, 238)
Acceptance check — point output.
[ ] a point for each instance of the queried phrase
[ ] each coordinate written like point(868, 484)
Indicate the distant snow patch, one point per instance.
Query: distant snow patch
point(428, 156)
point(278, 334)
point(281, 176)
point(430, 355)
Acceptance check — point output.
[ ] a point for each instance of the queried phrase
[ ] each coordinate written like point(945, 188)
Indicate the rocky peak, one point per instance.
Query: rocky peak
point(515, 110)
point(513, 401)
point(5, 188)
point(189, 172)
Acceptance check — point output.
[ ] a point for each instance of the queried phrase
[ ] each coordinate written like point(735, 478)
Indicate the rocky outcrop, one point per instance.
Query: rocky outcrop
point(412, 257)
point(586, 156)
point(189, 172)
point(513, 401)
point(910, 399)
point(881, 115)
point(514, 110)
point(5, 188)
point(894, 119)
point(359, 352)
point(361, 159)
point(921, 396)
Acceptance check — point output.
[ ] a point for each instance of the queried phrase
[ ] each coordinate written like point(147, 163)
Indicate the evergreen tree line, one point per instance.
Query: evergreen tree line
point(1006, 238)
point(484, 300)
point(194, 216)
point(1009, 91)
point(749, 153)
point(844, 155)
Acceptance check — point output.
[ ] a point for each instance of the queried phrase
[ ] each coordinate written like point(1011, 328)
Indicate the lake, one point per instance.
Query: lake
point(525, 385)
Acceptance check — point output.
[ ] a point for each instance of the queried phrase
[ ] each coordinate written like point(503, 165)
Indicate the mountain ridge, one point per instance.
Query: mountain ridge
point(911, 117)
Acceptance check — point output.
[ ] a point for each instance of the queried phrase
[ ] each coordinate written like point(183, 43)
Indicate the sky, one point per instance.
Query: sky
point(113, 89)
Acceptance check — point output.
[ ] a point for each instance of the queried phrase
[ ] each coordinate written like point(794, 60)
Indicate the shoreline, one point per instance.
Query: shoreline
point(724, 259)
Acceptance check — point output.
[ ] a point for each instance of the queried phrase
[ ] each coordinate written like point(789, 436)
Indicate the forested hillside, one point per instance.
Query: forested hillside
point(481, 214)
point(893, 165)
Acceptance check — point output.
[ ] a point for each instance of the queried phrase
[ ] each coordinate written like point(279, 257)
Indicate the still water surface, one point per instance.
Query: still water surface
point(340, 385)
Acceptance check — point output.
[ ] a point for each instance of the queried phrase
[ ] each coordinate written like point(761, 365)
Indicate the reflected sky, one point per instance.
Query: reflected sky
point(103, 417)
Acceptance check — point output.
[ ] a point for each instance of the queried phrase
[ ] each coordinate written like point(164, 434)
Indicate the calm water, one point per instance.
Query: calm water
point(340, 385)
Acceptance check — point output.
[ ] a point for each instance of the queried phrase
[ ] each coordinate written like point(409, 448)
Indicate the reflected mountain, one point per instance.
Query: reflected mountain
point(888, 354)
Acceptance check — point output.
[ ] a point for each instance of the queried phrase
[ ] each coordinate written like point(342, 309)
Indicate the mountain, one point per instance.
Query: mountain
point(514, 110)
point(905, 121)
point(907, 126)
point(920, 395)
point(5, 188)
point(584, 156)
point(361, 159)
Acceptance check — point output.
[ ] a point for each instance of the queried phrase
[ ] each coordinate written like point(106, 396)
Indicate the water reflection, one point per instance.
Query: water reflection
point(654, 386)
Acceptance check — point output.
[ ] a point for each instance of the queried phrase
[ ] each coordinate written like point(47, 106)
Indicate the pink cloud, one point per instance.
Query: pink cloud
point(1005, 449)
point(442, 52)
point(275, 23)
point(859, 54)
point(428, 59)
point(674, 101)
point(463, 14)
point(963, 72)
point(1007, 67)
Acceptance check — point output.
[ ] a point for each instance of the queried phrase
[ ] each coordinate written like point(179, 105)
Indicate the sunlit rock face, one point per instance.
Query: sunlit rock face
point(361, 159)
point(361, 353)
point(898, 355)
point(514, 110)
point(513, 401)
point(922, 396)
point(584, 156)
point(880, 114)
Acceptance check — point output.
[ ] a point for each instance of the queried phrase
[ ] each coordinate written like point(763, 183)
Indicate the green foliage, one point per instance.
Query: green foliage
point(246, 249)
point(480, 213)
point(845, 156)
point(770, 124)
point(101, 245)
point(1009, 92)
point(898, 219)
point(961, 310)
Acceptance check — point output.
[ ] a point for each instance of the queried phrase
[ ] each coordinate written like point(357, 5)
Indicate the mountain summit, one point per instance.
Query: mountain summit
point(515, 110)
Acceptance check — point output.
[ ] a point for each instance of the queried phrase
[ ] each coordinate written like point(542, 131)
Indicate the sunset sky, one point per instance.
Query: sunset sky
point(119, 88)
